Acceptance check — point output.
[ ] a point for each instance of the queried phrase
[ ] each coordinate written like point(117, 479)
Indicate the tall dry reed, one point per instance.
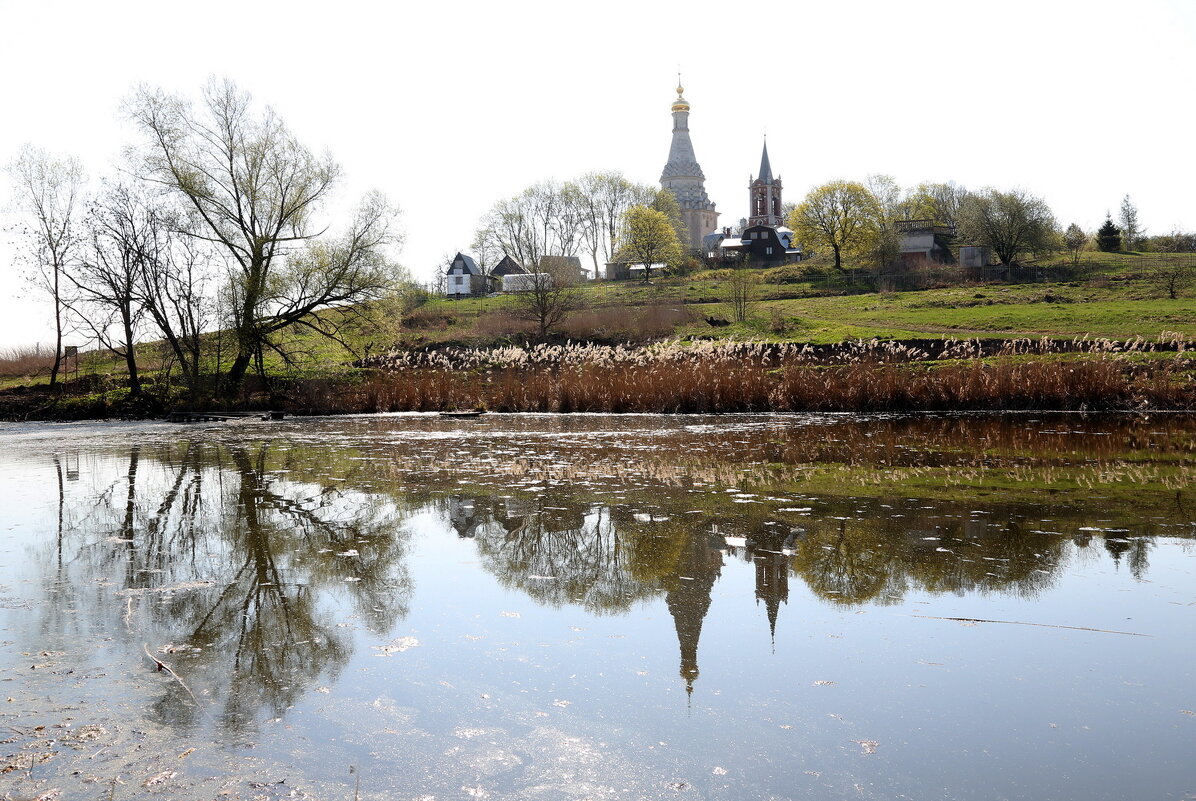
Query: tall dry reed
point(753, 377)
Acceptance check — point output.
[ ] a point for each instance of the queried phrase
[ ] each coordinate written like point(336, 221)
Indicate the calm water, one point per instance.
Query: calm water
point(600, 607)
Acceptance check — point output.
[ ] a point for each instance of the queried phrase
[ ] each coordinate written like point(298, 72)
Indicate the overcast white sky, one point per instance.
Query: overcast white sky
point(450, 106)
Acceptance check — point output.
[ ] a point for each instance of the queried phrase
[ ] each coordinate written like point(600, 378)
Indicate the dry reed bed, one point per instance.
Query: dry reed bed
point(26, 362)
point(772, 354)
point(755, 377)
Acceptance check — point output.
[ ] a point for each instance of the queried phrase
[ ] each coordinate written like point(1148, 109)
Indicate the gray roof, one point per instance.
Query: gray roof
point(765, 167)
point(464, 265)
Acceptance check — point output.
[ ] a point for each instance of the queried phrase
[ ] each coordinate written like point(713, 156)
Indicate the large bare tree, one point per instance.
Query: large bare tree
point(257, 193)
point(547, 294)
point(49, 192)
point(543, 220)
point(120, 231)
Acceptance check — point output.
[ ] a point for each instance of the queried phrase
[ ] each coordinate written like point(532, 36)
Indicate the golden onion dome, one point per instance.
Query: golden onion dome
point(680, 104)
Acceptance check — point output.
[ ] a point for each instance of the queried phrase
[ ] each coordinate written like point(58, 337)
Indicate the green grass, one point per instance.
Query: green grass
point(1114, 295)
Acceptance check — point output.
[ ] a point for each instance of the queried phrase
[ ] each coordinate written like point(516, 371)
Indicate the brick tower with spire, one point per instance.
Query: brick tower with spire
point(765, 195)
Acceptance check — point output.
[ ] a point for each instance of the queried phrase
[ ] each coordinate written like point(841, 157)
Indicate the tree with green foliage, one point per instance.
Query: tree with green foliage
point(940, 202)
point(885, 248)
point(649, 237)
point(664, 201)
point(841, 215)
point(1012, 224)
point(1075, 239)
point(1131, 231)
point(1108, 236)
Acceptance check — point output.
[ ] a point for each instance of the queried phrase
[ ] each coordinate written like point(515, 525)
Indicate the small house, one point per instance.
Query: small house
point(508, 266)
point(924, 241)
point(760, 245)
point(506, 275)
point(522, 282)
point(974, 256)
point(464, 278)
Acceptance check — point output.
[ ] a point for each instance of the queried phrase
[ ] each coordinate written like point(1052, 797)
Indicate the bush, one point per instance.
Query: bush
point(626, 323)
point(429, 319)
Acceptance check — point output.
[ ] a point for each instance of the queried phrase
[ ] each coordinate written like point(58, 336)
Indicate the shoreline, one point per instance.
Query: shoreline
point(1114, 383)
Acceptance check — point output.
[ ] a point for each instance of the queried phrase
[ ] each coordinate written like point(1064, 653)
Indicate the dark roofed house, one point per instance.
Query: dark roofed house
point(508, 266)
point(464, 278)
point(763, 245)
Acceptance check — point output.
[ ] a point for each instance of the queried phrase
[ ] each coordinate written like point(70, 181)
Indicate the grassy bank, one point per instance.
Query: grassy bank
point(1100, 329)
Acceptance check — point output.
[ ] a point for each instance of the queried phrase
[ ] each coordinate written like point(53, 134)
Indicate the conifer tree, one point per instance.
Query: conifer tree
point(1108, 236)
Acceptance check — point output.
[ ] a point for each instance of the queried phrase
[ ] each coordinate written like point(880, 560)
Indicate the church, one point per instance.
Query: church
point(763, 242)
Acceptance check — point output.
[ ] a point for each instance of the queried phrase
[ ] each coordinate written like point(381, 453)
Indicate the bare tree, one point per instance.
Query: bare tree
point(108, 278)
point(176, 289)
point(254, 192)
point(48, 190)
point(743, 285)
point(542, 220)
point(1175, 275)
point(548, 292)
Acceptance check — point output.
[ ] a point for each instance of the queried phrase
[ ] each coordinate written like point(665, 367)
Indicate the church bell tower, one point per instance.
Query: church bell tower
point(765, 208)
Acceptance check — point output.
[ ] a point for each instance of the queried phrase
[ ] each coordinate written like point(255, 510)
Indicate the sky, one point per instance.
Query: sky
point(449, 107)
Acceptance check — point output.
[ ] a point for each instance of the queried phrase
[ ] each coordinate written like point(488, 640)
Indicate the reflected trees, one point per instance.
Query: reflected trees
point(238, 573)
point(571, 553)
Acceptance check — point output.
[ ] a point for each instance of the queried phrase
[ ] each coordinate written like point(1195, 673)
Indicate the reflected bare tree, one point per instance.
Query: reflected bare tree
point(558, 551)
point(230, 568)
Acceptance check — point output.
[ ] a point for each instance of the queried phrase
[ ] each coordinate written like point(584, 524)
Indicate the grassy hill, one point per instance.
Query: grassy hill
point(1119, 296)
point(1107, 295)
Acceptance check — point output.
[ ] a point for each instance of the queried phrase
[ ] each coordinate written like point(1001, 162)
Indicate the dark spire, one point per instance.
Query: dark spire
point(689, 600)
point(765, 167)
point(772, 585)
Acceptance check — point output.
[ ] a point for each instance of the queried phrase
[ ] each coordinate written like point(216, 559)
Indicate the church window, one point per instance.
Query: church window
point(767, 251)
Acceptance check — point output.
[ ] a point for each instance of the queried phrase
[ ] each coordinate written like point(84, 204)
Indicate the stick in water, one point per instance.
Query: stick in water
point(1023, 623)
point(163, 666)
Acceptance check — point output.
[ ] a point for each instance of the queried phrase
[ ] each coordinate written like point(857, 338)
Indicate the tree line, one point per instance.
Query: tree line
point(861, 220)
point(218, 220)
point(590, 214)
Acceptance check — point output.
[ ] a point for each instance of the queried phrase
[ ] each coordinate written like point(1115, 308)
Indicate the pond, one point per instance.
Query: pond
point(600, 607)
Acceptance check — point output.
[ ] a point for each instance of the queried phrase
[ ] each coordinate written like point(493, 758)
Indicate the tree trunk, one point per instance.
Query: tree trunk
point(131, 359)
point(838, 260)
point(236, 373)
point(57, 334)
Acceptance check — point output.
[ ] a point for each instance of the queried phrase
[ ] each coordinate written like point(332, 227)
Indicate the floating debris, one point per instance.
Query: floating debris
point(396, 646)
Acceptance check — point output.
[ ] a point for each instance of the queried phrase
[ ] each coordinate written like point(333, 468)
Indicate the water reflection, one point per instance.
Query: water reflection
point(251, 562)
point(233, 570)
